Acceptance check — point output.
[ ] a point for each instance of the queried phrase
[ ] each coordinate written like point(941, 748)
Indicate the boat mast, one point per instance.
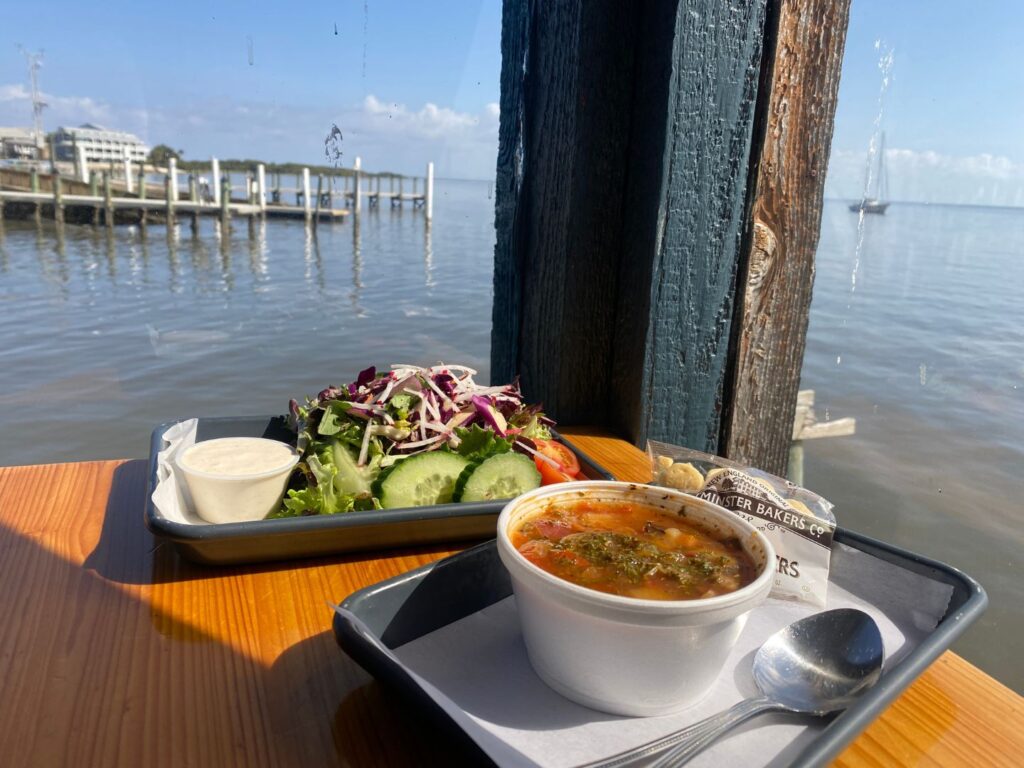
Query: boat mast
point(35, 61)
point(883, 174)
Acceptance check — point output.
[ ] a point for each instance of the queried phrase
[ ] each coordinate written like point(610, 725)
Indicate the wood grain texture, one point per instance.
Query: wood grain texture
point(556, 257)
point(115, 652)
point(801, 82)
point(685, 310)
point(625, 133)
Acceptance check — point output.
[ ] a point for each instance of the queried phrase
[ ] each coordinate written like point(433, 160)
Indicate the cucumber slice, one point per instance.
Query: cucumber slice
point(427, 478)
point(502, 476)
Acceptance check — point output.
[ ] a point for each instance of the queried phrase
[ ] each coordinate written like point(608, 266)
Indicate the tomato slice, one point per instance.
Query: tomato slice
point(568, 465)
point(550, 474)
point(561, 454)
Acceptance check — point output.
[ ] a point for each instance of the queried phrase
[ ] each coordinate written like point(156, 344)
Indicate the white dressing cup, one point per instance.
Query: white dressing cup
point(237, 479)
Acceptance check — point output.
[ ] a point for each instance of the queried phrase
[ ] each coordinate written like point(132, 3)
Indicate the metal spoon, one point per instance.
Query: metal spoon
point(816, 665)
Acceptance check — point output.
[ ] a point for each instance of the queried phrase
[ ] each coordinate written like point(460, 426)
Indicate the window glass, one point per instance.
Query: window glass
point(107, 332)
point(915, 327)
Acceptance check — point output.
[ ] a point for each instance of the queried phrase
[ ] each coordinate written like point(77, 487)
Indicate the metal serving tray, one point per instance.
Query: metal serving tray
point(417, 603)
point(317, 535)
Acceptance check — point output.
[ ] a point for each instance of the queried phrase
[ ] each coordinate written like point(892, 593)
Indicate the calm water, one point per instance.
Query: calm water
point(927, 353)
point(918, 337)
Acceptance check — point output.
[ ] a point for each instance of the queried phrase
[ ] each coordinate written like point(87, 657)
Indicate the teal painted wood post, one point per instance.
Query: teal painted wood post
point(624, 153)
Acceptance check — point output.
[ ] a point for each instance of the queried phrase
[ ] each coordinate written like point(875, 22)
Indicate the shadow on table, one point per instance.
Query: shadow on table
point(309, 676)
point(129, 554)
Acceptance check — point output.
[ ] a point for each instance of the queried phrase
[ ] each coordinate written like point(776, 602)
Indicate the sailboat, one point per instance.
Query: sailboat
point(876, 204)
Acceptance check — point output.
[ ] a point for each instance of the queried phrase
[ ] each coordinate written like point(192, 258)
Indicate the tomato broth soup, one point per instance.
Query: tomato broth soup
point(633, 550)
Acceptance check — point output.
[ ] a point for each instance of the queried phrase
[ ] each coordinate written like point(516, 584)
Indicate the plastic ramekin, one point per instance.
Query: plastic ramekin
point(235, 498)
point(624, 655)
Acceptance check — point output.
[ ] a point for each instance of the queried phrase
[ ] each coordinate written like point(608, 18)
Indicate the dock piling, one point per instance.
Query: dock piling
point(128, 172)
point(224, 194)
point(108, 202)
point(357, 197)
point(261, 179)
point(193, 196)
point(58, 199)
point(428, 192)
point(142, 196)
point(81, 164)
point(94, 191)
point(216, 180)
point(169, 194)
point(319, 197)
point(172, 175)
point(305, 193)
point(34, 185)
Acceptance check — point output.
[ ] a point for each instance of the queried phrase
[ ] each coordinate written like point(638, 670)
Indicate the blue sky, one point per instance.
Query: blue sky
point(181, 74)
point(409, 82)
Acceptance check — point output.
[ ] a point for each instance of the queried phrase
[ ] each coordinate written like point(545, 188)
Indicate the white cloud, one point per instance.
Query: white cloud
point(929, 176)
point(387, 135)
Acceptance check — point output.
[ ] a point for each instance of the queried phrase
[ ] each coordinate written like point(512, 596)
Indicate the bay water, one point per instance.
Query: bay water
point(916, 334)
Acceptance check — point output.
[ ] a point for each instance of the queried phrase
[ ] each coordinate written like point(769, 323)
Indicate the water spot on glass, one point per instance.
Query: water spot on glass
point(332, 146)
point(923, 371)
point(250, 50)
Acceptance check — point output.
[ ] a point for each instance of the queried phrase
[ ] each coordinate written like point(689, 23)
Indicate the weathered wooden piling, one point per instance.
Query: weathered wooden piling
point(58, 200)
point(193, 196)
point(225, 204)
point(319, 194)
point(108, 201)
point(94, 191)
point(37, 212)
point(169, 194)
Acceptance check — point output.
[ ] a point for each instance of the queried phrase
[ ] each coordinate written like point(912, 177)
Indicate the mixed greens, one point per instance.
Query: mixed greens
point(413, 436)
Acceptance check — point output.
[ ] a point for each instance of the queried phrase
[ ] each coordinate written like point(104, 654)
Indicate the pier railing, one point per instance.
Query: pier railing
point(124, 192)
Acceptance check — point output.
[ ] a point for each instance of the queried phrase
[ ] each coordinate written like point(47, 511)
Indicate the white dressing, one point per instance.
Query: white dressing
point(237, 456)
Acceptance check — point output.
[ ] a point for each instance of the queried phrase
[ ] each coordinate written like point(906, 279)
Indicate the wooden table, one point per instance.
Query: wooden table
point(114, 651)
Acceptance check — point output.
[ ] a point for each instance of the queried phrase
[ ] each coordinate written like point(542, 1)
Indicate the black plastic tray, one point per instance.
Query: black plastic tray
point(414, 604)
point(317, 535)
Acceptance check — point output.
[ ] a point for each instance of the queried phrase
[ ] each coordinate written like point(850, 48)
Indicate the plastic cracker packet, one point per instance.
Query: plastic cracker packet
point(799, 523)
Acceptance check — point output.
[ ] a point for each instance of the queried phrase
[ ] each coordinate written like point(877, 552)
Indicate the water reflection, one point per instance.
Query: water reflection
point(312, 260)
point(258, 253)
point(428, 257)
point(111, 255)
point(222, 231)
point(357, 268)
point(173, 265)
point(206, 266)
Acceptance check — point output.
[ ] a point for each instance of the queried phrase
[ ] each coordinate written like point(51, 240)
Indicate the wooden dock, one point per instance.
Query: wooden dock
point(85, 197)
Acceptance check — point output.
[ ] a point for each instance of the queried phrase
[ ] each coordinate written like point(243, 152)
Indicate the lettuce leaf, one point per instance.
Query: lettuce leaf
point(477, 443)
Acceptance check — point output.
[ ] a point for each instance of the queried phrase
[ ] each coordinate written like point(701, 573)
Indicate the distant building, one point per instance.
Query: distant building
point(18, 144)
point(99, 144)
